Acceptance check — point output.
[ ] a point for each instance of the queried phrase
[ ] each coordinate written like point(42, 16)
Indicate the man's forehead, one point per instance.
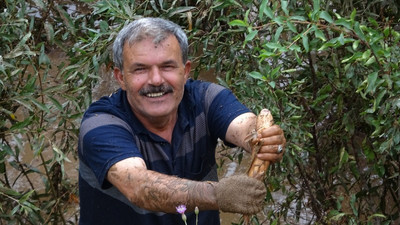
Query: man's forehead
point(156, 39)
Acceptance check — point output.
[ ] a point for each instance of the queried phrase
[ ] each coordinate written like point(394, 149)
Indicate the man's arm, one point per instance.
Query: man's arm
point(270, 138)
point(159, 192)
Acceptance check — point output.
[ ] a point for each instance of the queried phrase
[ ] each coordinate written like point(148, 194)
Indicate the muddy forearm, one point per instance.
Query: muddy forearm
point(240, 128)
point(159, 192)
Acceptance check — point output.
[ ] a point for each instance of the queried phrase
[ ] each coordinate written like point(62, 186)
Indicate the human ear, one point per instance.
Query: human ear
point(188, 66)
point(119, 77)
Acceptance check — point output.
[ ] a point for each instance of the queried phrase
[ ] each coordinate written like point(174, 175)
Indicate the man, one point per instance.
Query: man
point(150, 147)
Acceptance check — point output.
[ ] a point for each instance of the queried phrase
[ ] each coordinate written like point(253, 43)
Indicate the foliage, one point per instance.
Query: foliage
point(333, 83)
point(39, 112)
point(43, 96)
point(329, 75)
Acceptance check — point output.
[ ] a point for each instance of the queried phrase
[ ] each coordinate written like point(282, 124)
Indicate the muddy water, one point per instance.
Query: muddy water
point(57, 57)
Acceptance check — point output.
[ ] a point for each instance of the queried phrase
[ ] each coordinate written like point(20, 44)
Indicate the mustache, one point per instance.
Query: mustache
point(156, 89)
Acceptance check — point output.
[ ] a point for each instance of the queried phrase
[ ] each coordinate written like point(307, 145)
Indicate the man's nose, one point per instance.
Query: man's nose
point(155, 76)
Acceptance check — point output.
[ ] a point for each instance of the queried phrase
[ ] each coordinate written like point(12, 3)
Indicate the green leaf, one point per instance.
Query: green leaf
point(26, 196)
point(368, 152)
point(319, 99)
point(295, 118)
point(273, 73)
point(370, 61)
point(373, 22)
point(291, 26)
point(43, 58)
point(246, 17)
point(326, 89)
point(154, 6)
point(341, 39)
point(21, 125)
point(376, 215)
point(29, 85)
point(278, 34)
point(251, 36)
point(268, 11)
point(66, 19)
point(262, 9)
point(180, 10)
point(319, 34)
point(39, 3)
point(280, 20)
point(316, 6)
point(328, 44)
point(325, 15)
point(353, 15)
point(372, 77)
point(239, 23)
point(295, 48)
point(343, 22)
point(56, 103)
point(366, 54)
point(256, 75)
point(272, 84)
point(358, 31)
point(353, 199)
point(24, 103)
point(336, 215)
point(344, 157)
point(354, 57)
point(103, 26)
point(15, 54)
point(40, 105)
point(24, 40)
point(9, 191)
point(387, 30)
point(289, 71)
point(299, 18)
point(273, 45)
point(355, 44)
point(380, 169)
point(49, 32)
point(284, 5)
point(305, 42)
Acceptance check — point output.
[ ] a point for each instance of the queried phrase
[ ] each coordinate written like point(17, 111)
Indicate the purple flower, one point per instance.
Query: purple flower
point(181, 209)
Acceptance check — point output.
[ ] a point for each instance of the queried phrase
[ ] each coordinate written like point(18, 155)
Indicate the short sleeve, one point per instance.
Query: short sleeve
point(104, 140)
point(223, 108)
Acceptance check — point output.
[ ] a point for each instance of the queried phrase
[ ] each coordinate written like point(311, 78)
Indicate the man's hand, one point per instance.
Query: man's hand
point(240, 194)
point(270, 138)
point(273, 144)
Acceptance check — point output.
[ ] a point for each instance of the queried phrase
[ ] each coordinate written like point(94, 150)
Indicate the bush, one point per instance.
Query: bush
point(333, 83)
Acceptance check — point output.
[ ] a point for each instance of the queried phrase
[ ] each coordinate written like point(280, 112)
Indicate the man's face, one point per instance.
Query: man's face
point(153, 75)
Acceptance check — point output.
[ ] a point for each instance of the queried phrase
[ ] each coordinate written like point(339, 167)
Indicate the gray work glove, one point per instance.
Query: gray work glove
point(240, 194)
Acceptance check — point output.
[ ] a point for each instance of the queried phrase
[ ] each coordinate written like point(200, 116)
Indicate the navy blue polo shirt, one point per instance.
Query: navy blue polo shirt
point(110, 132)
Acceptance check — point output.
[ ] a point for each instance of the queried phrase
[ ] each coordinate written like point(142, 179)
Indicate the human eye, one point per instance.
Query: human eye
point(139, 69)
point(168, 67)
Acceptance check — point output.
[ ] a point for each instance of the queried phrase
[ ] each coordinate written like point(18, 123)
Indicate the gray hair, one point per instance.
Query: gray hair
point(156, 28)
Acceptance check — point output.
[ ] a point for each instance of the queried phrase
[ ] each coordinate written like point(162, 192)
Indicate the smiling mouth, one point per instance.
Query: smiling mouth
point(156, 91)
point(155, 95)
